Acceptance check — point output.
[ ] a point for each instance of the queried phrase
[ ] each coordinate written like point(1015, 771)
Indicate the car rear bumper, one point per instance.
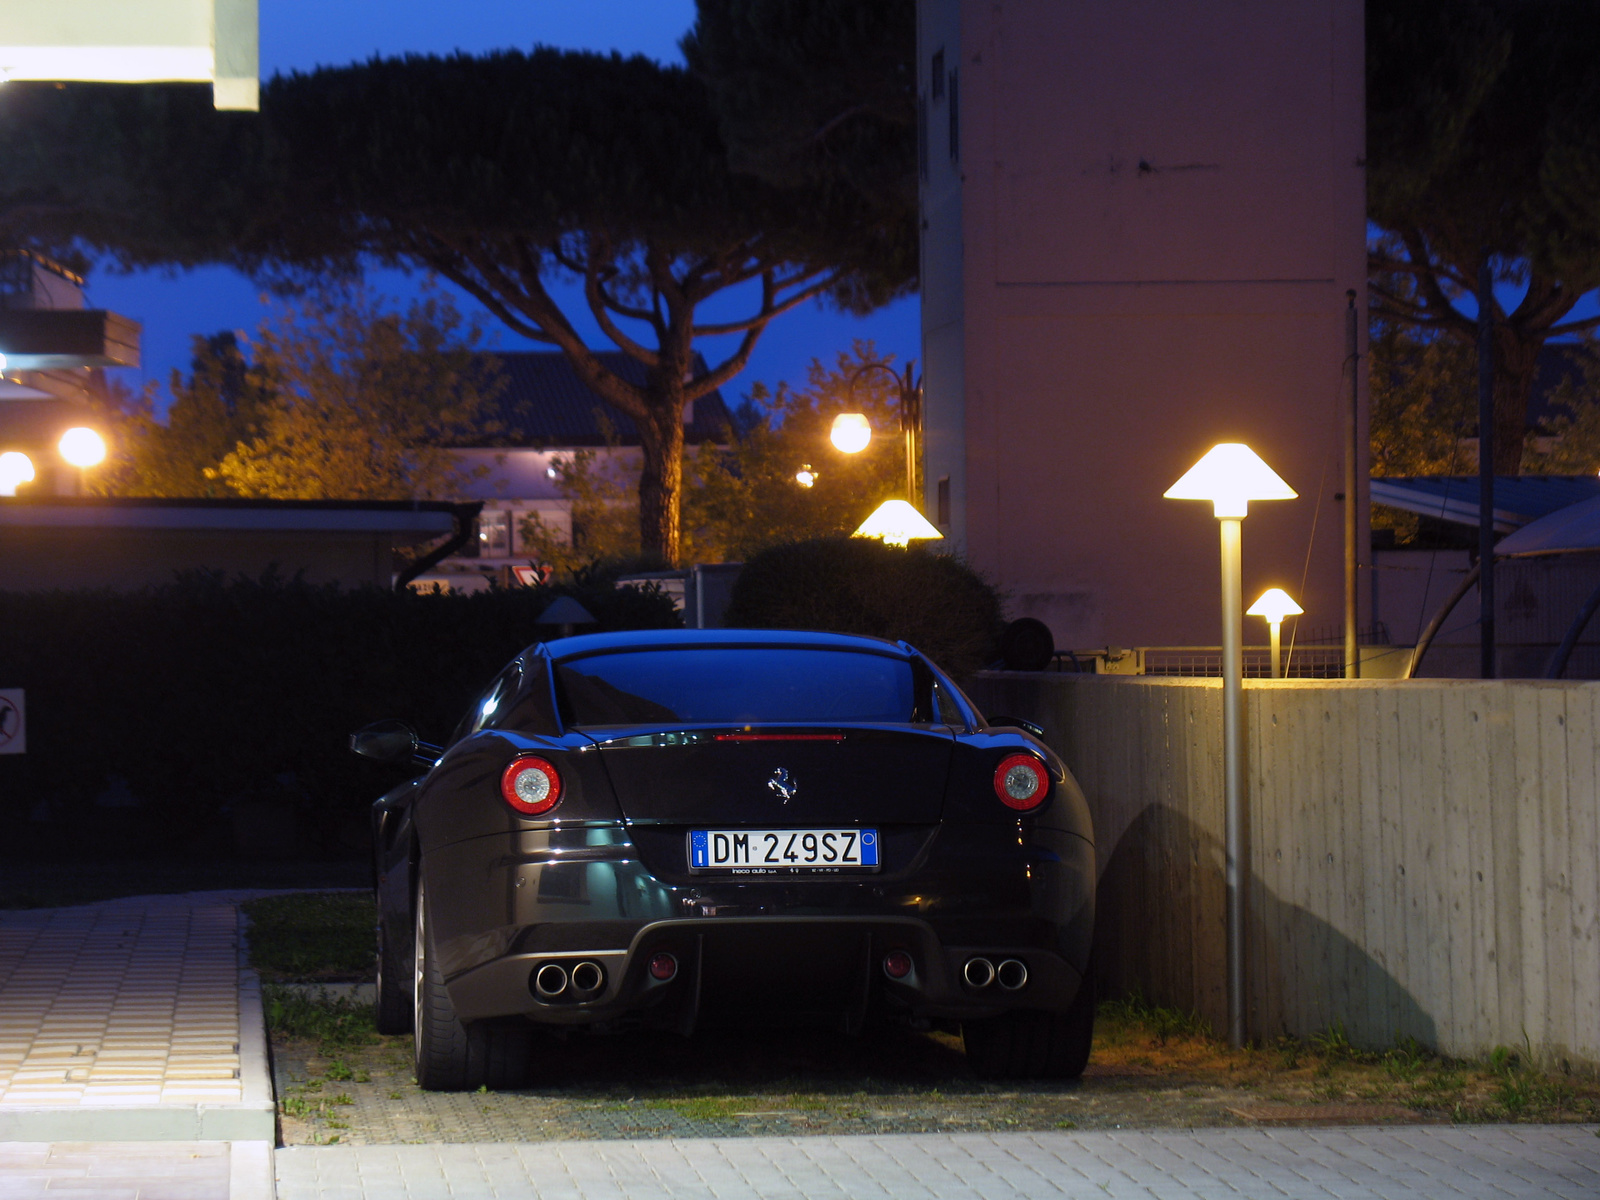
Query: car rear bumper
point(757, 950)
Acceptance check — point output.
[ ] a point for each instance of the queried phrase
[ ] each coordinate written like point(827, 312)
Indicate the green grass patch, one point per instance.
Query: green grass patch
point(315, 937)
point(334, 1022)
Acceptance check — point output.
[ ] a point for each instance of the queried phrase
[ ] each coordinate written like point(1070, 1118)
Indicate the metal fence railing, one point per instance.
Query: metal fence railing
point(1305, 662)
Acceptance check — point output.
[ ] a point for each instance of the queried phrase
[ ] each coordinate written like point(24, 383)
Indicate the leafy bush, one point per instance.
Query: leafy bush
point(209, 716)
point(859, 585)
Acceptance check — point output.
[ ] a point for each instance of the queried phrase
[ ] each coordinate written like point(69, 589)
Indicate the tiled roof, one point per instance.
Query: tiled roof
point(543, 404)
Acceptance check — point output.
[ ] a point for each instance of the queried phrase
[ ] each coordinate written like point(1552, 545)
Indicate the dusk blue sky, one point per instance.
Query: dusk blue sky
point(301, 34)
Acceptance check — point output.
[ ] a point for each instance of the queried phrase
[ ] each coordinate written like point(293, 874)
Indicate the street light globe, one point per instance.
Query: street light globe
point(851, 432)
point(15, 468)
point(82, 447)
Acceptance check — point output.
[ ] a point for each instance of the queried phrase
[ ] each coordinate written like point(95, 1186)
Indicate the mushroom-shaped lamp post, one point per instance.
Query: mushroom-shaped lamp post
point(897, 523)
point(1230, 476)
point(1275, 605)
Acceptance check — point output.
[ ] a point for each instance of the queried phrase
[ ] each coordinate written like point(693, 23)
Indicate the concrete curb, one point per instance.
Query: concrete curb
point(361, 993)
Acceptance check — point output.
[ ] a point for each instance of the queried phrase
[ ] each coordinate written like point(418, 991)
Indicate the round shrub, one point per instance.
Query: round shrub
point(859, 585)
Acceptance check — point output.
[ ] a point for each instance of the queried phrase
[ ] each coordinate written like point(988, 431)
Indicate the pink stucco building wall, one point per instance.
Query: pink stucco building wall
point(1140, 221)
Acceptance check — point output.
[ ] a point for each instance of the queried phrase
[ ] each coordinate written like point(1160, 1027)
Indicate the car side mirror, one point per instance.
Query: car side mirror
point(386, 742)
point(1017, 722)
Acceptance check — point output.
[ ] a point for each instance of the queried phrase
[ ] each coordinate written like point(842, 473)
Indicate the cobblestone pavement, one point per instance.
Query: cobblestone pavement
point(1393, 1164)
point(731, 1083)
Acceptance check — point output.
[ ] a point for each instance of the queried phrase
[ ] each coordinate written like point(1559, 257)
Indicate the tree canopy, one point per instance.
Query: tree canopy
point(340, 397)
point(743, 495)
point(501, 172)
point(1482, 143)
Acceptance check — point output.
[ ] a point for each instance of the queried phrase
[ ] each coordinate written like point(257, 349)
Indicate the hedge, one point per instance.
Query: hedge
point(211, 716)
point(859, 585)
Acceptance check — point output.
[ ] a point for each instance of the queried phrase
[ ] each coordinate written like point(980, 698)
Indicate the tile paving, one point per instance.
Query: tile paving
point(125, 1021)
point(123, 1003)
point(1390, 1164)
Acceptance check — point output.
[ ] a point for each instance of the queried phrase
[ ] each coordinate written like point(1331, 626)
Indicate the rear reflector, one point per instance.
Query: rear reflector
point(532, 786)
point(1021, 782)
point(897, 964)
point(662, 967)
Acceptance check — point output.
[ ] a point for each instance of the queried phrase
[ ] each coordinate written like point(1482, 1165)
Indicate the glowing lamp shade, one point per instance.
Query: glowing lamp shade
point(15, 468)
point(82, 447)
point(1230, 476)
point(851, 432)
point(897, 523)
point(1274, 605)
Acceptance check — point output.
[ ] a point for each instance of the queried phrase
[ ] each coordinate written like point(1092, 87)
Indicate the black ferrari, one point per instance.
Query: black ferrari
point(693, 827)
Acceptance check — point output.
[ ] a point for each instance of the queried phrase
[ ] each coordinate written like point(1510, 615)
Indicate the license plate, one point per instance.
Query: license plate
point(779, 851)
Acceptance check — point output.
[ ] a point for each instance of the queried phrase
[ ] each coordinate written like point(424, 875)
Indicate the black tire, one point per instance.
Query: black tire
point(392, 1009)
point(1033, 1045)
point(452, 1055)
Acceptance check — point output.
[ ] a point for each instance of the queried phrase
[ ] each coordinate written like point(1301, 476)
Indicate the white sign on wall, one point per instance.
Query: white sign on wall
point(13, 722)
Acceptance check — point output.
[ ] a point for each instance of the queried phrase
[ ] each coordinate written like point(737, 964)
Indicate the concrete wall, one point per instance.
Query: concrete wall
point(1425, 856)
point(1140, 248)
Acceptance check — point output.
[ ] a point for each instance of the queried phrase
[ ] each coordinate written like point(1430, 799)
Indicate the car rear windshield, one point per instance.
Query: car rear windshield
point(744, 686)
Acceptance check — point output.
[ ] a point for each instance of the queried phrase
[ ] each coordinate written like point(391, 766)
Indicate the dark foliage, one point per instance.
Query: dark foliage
point(858, 585)
point(212, 716)
point(1482, 142)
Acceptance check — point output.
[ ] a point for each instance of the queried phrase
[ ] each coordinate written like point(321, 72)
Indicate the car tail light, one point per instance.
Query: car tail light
point(1021, 782)
point(531, 785)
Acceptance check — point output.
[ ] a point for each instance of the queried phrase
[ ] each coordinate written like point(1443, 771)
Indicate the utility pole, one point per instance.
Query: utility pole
point(1352, 458)
point(1486, 664)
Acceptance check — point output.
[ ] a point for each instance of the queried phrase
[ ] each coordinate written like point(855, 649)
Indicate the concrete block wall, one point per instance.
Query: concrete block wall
point(1425, 856)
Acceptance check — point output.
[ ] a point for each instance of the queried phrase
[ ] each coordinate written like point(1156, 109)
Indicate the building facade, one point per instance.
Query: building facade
point(1140, 222)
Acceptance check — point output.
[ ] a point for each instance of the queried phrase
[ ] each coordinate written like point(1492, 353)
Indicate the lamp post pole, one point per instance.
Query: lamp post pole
point(1234, 865)
point(909, 392)
point(1230, 476)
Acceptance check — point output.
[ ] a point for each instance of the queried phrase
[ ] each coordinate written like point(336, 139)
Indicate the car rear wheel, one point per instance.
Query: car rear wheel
point(452, 1055)
point(392, 1012)
point(1033, 1045)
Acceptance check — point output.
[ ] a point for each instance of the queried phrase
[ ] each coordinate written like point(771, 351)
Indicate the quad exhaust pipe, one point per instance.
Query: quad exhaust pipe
point(584, 982)
point(1012, 973)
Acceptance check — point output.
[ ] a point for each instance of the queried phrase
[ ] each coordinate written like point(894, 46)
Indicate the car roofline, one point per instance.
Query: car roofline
point(591, 644)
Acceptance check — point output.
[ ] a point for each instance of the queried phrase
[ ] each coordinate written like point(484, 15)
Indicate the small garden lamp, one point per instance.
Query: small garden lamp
point(16, 468)
point(1230, 475)
point(1275, 605)
point(897, 523)
point(851, 432)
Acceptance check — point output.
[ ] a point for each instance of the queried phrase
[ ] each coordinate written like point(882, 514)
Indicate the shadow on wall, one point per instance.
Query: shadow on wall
point(1161, 932)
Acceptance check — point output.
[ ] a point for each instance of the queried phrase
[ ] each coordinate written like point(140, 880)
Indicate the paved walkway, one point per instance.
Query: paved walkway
point(1389, 1163)
point(123, 1003)
point(132, 1053)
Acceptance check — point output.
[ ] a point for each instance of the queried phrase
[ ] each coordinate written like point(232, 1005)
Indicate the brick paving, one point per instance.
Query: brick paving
point(129, 1027)
point(127, 1003)
point(1391, 1164)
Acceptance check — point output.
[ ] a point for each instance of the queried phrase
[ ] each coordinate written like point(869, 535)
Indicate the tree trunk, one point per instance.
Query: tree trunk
point(661, 476)
point(1516, 365)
